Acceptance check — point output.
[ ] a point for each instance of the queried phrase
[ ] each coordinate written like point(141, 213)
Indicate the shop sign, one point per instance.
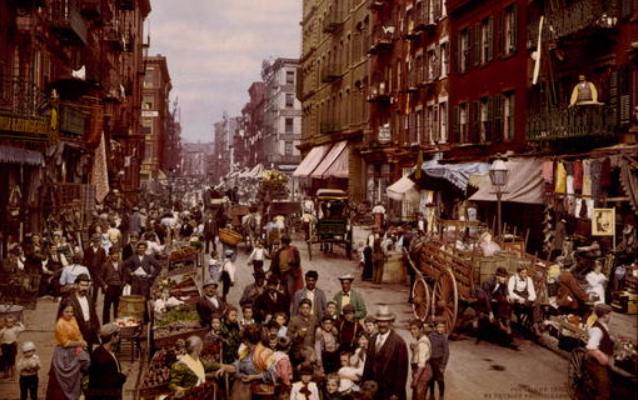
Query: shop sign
point(26, 126)
point(72, 121)
point(604, 222)
point(150, 113)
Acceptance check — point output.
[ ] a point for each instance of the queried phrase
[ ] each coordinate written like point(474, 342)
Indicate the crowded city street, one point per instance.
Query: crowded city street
point(318, 199)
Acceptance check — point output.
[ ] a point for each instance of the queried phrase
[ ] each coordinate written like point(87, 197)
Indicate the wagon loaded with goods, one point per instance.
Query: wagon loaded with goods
point(450, 268)
point(183, 258)
point(333, 227)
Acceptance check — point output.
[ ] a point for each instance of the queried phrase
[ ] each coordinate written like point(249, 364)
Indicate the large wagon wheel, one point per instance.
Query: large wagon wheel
point(579, 382)
point(445, 299)
point(421, 299)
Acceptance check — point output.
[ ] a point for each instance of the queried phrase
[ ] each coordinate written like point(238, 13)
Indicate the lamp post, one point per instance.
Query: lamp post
point(498, 177)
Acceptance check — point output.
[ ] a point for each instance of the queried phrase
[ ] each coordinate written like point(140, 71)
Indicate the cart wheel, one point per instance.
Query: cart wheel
point(421, 300)
point(578, 381)
point(445, 299)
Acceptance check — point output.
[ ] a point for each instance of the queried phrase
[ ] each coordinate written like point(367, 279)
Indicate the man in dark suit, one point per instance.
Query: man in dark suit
point(106, 378)
point(210, 303)
point(84, 310)
point(387, 359)
point(141, 270)
point(112, 280)
point(210, 232)
point(129, 250)
point(270, 302)
point(285, 265)
point(94, 258)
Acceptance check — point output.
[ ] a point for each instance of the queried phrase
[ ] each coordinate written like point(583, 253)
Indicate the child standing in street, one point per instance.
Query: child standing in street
point(305, 389)
point(28, 366)
point(327, 345)
point(440, 353)
point(258, 257)
point(9, 344)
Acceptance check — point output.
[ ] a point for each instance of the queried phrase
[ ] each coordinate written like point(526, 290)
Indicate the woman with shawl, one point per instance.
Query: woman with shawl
point(254, 377)
point(70, 359)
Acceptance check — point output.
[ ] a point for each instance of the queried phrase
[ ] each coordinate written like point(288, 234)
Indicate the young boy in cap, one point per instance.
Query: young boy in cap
point(28, 366)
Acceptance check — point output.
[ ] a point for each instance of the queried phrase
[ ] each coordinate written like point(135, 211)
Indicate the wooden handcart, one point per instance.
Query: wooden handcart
point(447, 278)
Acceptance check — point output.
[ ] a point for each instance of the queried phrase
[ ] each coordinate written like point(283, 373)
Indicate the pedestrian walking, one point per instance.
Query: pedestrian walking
point(311, 292)
point(9, 344)
point(228, 273)
point(286, 265)
point(106, 377)
point(94, 257)
point(113, 279)
point(83, 310)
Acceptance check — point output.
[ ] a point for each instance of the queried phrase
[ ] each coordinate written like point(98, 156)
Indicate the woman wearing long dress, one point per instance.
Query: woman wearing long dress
point(254, 376)
point(70, 360)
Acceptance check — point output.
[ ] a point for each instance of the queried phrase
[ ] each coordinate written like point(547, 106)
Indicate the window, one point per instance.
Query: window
point(289, 125)
point(290, 77)
point(288, 148)
point(290, 100)
point(484, 119)
point(445, 59)
point(147, 126)
point(486, 40)
point(431, 70)
point(464, 50)
point(508, 115)
point(443, 122)
point(463, 123)
point(509, 30)
point(148, 103)
point(429, 115)
point(419, 126)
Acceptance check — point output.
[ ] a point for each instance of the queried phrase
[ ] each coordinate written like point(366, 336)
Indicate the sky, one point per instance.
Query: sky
point(215, 49)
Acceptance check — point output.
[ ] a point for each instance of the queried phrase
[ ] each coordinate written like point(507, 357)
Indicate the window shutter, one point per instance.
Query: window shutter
point(490, 39)
point(474, 122)
point(477, 45)
point(454, 125)
point(514, 29)
point(412, 127)
point(458, 51)
point(489, 126)
point(435, 124)
point(499, 29)
point(498, 112)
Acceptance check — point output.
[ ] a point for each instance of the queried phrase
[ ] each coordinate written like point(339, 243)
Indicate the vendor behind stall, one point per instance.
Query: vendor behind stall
point(571, 297)
point(190, 371)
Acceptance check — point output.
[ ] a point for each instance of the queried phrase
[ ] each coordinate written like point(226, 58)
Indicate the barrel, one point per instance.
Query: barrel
point(131, 306)
point(10, 310)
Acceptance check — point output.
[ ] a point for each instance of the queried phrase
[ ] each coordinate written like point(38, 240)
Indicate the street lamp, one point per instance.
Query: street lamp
point(498, 176)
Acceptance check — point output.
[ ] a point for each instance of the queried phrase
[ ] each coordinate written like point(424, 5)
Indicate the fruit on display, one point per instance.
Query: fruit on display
point(159, 369)
point(176, 315)
point(183, 252)
point(127, 322)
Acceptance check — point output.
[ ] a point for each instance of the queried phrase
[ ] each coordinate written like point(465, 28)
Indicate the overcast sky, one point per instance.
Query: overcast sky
point(215, 49)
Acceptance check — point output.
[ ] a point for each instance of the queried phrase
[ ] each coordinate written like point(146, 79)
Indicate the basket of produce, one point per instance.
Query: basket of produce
point(229, 237)
point(129, 326)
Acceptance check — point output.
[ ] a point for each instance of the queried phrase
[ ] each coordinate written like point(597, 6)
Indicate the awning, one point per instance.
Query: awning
point(457, 174)
point(332, 156)
point(403, 189)
point(16, 155)
point(339, 168)
point(256, 171)
point(524, 183)
point(312, 159)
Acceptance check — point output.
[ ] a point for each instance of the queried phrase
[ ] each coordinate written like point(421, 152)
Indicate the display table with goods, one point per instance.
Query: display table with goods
point(176, 323)
point(183, 258)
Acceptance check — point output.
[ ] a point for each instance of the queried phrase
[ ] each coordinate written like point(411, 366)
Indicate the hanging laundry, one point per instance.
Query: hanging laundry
point(596, 168)
point(587, 178)
point(548, 171)
point(578, 176)
point(561, 178)
point(570, 199)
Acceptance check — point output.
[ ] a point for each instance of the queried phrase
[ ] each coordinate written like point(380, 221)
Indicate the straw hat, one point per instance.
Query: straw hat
point(384, 314)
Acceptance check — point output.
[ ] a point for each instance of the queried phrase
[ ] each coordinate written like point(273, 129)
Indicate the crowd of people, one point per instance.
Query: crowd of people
point(284, 339)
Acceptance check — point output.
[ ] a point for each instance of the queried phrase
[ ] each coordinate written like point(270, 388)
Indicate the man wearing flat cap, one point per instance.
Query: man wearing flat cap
point(209, 303)
point(311, 292)
point(106, 377)
point(387, 359)
point(492, 300)
point(349, 296)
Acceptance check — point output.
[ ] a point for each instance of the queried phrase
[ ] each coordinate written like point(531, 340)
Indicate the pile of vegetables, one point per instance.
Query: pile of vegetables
point(183, 253)
point(158, 372)
point(176, 328)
